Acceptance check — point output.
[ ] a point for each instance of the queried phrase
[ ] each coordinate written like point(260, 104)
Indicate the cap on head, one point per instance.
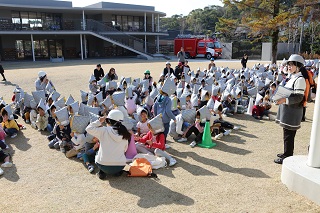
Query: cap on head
point(168, 63)
point(296, 58)
point(147, 72)
point(115, 115)
point(212, 59)
point(41, 74)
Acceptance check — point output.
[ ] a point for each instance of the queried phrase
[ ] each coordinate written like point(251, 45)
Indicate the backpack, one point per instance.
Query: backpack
point(141, 167)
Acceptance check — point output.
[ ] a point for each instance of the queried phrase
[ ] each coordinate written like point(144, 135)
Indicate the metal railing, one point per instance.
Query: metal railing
point(97, 27)
point(121, 37)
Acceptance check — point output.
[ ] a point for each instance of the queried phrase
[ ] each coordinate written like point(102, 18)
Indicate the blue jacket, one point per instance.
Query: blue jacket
point(163, 105)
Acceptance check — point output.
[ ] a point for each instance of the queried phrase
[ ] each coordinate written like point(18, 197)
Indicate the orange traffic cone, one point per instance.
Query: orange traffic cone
point(206, 138)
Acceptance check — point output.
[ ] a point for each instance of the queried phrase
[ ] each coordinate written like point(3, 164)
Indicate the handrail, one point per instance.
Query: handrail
point(121, 37)
point(77, 24)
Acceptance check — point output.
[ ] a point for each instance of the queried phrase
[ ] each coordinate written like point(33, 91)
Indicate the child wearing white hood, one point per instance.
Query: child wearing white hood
point(113, 139)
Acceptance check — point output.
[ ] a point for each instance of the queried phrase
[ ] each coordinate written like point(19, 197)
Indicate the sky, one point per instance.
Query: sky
point(170, 7)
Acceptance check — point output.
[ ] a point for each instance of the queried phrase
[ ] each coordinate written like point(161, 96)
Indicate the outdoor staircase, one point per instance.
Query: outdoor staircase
point(120, 38)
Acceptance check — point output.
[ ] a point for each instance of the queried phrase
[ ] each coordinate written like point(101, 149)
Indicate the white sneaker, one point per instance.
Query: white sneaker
point(266, 118)
point(227, 132)
point(27, 121)
point(6, 165)
point(193, 144)
point(236, 127)
point(219, 136)
point(167, 146)
point(172, 162)
point(1, 172)
point(14, 135)
point(33, 125)
point(182, 140)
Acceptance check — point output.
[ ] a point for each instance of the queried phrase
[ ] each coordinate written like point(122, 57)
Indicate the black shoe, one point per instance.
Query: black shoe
point(51, 137)
point(118, 174)
point(102, 175)
point(4, 79)
point(279, 160)
point(280, 155)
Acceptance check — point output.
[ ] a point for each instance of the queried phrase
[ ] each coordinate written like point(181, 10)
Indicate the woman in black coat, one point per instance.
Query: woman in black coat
point(244, 61)
point(2, 73)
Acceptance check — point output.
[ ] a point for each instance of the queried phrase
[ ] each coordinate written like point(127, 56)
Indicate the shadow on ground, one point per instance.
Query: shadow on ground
point(10, 174)
point(8, 83)
point(150, 192)
point(20, 142)
point(248, 172)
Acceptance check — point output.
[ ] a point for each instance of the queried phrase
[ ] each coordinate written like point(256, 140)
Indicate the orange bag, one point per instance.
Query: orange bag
point(141, 167)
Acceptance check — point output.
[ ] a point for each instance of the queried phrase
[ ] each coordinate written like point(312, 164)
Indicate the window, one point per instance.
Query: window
point(36, 20)
point(128, 23)
point(201, 44)
point(217, 45)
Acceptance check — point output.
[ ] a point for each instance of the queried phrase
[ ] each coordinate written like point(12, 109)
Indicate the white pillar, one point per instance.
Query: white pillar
point(314, 149)
point(158, 44)
point(152, 22)
point(81, 47)
point(32, 48)
point(85, 46)
point(158, 23)
point(83, 21)
point(145, 22)
point(158, 30)
point(145, 43)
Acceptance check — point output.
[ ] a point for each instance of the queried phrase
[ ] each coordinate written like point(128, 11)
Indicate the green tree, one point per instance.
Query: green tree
point(264, 18)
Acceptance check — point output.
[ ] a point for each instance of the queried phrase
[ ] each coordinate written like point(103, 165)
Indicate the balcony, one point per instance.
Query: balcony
point(6, 24)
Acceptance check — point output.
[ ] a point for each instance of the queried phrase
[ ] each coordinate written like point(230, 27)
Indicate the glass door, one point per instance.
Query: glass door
point(19, 49)
point(59, 48)
point(52, 49)
point(27, 50)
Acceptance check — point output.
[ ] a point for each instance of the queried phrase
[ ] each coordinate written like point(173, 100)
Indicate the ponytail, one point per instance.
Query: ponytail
point(122, 130)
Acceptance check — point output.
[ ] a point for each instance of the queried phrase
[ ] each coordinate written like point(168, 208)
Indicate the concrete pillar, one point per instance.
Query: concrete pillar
point(145, 43)
point(158, 44)
point(152, 22)
point(83, 21)
point(32, 48)
point(145, 22)
point(81, 47)
point(314, 150)
point(85, 46)
point(158, 23)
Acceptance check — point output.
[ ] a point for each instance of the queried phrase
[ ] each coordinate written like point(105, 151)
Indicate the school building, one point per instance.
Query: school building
point(49, 29)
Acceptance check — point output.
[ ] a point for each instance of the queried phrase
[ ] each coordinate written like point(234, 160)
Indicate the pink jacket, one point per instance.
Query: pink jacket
point(2, 134)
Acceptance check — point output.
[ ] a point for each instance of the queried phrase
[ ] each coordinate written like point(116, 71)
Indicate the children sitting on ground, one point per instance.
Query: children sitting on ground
point(142, 125)
point(9, 125)
point(154, 141)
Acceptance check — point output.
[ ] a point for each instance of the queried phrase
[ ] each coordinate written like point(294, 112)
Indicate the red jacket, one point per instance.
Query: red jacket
point(257, 110)
point(159, 143)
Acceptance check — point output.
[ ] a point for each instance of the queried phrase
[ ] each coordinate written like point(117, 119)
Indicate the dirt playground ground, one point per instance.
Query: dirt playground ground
point(238, 175)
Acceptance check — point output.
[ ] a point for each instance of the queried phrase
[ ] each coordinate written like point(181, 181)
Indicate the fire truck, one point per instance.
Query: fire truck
point(198, 46)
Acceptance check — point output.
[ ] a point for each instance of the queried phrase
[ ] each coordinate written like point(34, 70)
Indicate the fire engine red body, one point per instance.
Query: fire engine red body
point(198, 47)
